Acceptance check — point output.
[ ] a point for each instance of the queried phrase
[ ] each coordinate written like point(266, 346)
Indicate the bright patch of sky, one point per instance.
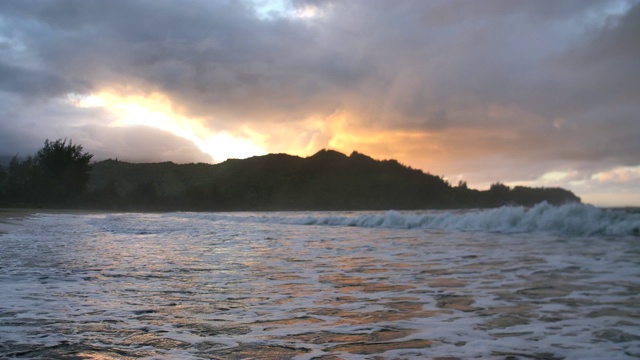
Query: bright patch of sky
point(271, 9)
point(274, 9)
point(619, 8)
point(621, 174)
point(611, 10)
point(155, 111)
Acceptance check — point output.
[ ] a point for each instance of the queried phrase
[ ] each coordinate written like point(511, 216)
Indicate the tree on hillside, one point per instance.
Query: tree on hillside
point(18, 185)
point(57, 174)
point(499, 194)
point(64, 169)
point(3, 176)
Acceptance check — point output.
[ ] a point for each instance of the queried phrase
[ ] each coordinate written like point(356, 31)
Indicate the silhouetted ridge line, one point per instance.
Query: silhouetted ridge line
point(327, 180)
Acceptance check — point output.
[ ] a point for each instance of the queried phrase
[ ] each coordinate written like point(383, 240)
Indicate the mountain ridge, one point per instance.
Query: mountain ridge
point(327, 180)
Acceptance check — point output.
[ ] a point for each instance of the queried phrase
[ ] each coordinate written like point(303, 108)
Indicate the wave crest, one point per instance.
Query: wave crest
point(574, 219)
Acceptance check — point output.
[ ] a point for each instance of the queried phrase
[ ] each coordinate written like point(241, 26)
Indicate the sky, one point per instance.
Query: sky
point(523, 92)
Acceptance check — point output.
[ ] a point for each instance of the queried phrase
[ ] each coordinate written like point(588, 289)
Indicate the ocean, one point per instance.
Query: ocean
point(510, 283)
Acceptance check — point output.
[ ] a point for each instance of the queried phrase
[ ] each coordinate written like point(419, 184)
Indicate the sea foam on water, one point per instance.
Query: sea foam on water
point(569, 219)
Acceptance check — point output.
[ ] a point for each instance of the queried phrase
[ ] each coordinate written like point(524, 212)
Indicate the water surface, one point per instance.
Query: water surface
point(315, 285)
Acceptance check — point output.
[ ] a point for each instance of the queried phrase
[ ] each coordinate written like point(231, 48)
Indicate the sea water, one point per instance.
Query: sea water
point(510, 283)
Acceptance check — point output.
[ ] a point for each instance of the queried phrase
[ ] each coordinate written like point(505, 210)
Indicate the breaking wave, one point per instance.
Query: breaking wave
point(570, 219)
point(575, 219)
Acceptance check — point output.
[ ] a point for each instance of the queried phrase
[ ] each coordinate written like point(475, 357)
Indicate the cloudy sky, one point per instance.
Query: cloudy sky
point(539, 93)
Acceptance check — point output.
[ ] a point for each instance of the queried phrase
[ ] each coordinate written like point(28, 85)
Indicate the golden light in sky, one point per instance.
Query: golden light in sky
point(155, 111)
point(340, 131)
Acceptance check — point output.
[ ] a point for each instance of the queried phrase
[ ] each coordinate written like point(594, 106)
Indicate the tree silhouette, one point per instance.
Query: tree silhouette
point(56, 175)
point(64, 170)
point(19, 184)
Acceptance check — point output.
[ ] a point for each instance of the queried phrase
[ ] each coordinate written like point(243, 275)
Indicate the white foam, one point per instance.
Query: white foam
point(569, 219)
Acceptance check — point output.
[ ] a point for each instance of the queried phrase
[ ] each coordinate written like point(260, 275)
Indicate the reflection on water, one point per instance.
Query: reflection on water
point(183, 286)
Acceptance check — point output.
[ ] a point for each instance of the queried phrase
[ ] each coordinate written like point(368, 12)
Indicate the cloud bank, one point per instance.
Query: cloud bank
point(516, 91)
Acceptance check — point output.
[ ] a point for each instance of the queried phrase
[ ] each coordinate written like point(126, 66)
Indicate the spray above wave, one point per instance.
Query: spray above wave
point(570, 219)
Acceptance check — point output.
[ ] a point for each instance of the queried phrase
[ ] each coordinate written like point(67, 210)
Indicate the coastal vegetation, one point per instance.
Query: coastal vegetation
point(57, 175)
point(60, 175)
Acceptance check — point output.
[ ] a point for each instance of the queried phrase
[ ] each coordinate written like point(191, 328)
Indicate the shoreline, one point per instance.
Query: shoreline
point(11, 219)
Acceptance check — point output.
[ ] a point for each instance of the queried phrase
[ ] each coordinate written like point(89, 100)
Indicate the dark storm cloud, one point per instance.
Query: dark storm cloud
point(30, 83)
point(213, 56)
point(209, 56)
